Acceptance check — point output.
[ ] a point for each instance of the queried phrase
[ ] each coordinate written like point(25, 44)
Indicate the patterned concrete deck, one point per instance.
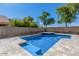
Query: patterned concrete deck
point(11, 47)
point(65, 47)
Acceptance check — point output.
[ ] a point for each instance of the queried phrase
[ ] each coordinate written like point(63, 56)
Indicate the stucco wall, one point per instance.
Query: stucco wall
point(62, 29)
point(17, 31)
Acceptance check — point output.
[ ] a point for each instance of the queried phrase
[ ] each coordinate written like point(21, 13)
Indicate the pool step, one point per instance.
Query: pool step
point(32, 49)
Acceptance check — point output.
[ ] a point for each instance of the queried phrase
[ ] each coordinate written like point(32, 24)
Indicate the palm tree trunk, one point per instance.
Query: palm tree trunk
point(66, 25)
point(45, 28)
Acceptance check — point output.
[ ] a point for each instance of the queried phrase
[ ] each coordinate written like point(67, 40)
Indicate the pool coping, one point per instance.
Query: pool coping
point(44, 32)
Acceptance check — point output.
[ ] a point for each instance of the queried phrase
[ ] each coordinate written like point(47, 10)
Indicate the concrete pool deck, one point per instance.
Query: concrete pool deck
point(64, 47)
point(11, 47)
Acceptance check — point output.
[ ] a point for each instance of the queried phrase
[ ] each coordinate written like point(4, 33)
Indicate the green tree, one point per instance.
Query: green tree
point(46, 20)
point(26, 22)
point(13, 22)
point(29, 22)
point(75, 6)
point(66, 14)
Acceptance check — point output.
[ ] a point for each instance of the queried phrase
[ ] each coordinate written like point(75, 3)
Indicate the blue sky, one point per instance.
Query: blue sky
point(21, 10)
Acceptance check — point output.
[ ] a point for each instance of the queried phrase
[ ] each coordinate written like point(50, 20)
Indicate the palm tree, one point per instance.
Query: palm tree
point(46, 20)
point(66, 15)
point(75, 6)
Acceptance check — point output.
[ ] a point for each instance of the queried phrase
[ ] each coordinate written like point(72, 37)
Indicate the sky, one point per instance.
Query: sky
point(21, 10)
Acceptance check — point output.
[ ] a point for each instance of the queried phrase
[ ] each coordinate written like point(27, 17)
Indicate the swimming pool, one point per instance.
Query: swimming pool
point(37, 45)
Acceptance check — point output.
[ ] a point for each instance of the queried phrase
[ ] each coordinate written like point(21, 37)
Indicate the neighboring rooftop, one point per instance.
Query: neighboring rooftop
point(4, 21)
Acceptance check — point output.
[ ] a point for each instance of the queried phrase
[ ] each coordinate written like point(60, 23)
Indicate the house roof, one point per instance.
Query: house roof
point(4, 20)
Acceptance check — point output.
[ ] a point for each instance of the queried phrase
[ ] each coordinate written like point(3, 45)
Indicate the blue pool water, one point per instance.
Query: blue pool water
point(38, 44)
